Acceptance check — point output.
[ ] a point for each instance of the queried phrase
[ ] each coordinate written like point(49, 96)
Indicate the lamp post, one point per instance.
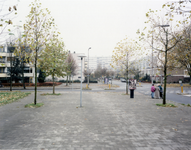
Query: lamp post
point(88, 67)
point(81, 56)
point(152, 60)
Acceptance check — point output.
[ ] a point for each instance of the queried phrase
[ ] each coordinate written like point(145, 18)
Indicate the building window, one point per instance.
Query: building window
point(27, 70)
point(2, 49)
point(2, 70)
point(2, 60)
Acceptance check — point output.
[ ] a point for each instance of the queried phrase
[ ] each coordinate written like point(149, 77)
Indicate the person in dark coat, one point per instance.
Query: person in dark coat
point(161, 91)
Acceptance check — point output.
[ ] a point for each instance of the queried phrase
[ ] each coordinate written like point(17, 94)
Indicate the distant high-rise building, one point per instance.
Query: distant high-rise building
point(95, 61)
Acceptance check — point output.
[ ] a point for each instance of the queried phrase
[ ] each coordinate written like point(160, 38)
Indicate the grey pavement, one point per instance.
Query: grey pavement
point(107, 121)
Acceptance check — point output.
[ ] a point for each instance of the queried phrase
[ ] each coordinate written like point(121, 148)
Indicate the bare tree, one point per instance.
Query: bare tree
point(164, 39)
point(71, 67)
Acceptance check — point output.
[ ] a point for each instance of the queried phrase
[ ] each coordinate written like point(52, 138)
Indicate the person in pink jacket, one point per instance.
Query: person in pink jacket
point(152, 91)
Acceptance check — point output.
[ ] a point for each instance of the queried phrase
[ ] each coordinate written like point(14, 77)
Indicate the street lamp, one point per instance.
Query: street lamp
point(163, 26)
point(88, 67)
point(81, 56)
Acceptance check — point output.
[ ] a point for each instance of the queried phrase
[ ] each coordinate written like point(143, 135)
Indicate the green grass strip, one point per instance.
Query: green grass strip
point(188, 105)
point(33, 105)
point(44, 94)
point(9, 97)
point(166, 105)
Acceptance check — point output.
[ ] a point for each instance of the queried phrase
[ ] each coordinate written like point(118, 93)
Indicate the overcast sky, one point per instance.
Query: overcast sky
point(98, 24)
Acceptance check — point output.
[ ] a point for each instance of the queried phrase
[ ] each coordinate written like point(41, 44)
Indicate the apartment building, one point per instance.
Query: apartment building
point(94, 61)
point(77, 76)
point(152, 67)
point(5, 58)
point(78, 62)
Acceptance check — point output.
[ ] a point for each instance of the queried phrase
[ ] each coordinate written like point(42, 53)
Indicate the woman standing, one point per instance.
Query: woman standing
point(157, 91)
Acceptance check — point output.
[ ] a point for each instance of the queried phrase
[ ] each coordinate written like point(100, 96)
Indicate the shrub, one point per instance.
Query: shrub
point(76, 81)
point(63, 81)
point(32, 84)
point(90, 82)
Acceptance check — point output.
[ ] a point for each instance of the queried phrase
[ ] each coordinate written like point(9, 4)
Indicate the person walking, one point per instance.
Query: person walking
point(152, 91)
point(161, 90)
point(157, 91)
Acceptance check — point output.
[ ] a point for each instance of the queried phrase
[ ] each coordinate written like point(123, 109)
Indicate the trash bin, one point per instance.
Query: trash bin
point(131, 93)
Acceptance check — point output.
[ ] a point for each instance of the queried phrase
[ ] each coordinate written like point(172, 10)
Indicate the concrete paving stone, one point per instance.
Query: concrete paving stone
point(106, 121)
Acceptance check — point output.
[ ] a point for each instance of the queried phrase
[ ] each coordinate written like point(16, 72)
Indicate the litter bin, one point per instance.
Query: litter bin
point(131, 93)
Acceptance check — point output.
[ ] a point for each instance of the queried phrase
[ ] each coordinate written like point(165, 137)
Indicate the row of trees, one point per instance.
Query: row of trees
point(100, 72)
point(172, 43)
point(41, 46)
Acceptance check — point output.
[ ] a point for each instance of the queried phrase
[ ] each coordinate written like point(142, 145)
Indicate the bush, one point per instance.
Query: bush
point(33, 84)
point(76, 81)
point(14, 84)
point(63, 81)
point(154, 81)
point(90, 82)
point(41, 77)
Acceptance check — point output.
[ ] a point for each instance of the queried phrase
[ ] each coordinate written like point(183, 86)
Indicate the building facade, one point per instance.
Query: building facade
point(104, 62)
point(5, 59)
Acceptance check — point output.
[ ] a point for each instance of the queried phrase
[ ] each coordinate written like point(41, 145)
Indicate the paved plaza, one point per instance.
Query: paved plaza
point(107, 121)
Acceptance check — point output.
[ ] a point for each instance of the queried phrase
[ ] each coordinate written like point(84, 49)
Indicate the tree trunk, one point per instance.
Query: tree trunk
point(23, 78)
point(127, 86)
point(70, 80)
point(53, 84)
point(67, 81)
point(165, 68)
point(11, 74)
point(127, 73)
point(164, 92)
point(35, 89)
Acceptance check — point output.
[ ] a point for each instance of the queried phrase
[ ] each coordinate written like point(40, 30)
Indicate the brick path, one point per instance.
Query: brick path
point(107, 121)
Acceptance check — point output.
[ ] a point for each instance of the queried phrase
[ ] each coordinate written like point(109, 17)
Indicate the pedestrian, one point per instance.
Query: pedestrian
point(157, 92)
point(161, 90)
point(152, 91)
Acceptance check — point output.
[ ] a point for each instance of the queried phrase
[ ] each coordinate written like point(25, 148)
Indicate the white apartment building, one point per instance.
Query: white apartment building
point(5, 57)
point(78, 62)
point(78, 70)
point(95, 61)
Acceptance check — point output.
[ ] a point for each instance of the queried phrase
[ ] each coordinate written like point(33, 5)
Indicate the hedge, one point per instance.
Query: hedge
point(77, 81)
point(33, 84)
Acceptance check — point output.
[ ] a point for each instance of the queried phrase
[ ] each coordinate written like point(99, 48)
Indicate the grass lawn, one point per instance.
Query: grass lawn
point(9, 97)
point(33, 105)
point(166, 105)
point(44, 94)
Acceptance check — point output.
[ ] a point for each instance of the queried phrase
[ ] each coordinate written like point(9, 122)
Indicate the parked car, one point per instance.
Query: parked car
point(123, 80)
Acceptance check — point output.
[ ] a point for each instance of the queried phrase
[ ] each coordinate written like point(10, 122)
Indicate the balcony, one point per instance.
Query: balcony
point(2, 75)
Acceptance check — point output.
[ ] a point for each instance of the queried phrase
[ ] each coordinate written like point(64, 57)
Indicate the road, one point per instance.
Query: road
point(171, 92)
point(144, 89)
